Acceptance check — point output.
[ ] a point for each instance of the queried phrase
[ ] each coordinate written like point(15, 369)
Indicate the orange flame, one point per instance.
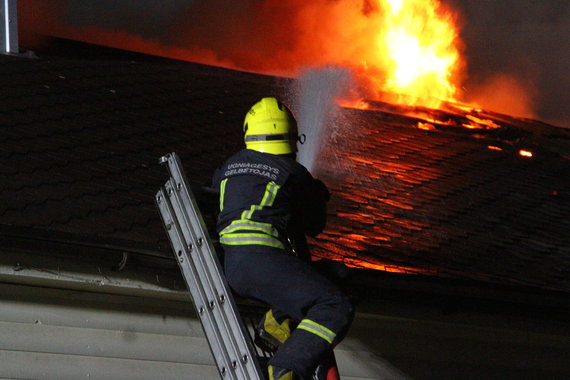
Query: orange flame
point(421, 40)
point(404, 51)
point(412, 53)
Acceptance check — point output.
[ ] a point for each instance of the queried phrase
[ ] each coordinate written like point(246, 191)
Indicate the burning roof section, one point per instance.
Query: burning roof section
point(414, 190)
point(453, 201)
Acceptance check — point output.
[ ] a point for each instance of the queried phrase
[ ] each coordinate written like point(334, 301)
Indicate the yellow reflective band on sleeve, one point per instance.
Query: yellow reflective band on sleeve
point(251, 239)
point(319, 330)
point(222, 193)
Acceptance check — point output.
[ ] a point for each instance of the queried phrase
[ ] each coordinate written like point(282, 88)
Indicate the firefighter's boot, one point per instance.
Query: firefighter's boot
point(278, 373)
point(271, 333)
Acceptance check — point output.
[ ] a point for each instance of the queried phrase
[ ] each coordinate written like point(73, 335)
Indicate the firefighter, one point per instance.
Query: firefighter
point(268, 203)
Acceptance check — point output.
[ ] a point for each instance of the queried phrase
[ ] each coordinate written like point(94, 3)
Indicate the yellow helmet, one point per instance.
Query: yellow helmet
point(270, 127)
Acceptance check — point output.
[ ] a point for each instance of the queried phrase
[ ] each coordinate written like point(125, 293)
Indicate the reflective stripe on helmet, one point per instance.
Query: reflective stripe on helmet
point(272, 137)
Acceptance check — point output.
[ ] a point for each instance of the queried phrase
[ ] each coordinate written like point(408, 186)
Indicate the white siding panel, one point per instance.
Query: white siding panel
point(97, 310)
point(34, 365)
point(70, 334)
point(103, 343)
point(60, 334)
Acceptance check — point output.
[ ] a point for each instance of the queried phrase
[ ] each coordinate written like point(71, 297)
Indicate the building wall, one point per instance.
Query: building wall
point(50, 333)
point(62, 334)
point(71, 318)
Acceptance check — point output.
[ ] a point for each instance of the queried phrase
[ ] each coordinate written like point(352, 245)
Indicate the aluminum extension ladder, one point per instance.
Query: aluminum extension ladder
point(225, 331)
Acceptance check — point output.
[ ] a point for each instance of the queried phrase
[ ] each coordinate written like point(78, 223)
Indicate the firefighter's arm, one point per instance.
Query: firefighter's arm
point(315, 214)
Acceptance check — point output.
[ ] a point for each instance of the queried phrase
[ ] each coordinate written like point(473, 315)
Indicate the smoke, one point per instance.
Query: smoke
point(524, 38)
point(36, 20)
point(269, 36)
point(528, 40)
point(505, 94)
point(272, 36)
point(276, 36)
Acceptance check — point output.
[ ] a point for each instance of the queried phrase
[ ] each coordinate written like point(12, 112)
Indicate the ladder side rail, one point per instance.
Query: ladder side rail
point(212, 266)
point(192, 280)
point(176, 172)
point(228, 320)
point(196, 224)
point(197, 228)
point(220, 300)
point(206, 262)
point(203, 258)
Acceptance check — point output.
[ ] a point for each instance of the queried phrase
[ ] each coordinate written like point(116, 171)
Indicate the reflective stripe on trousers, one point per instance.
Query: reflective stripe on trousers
point(317, 329)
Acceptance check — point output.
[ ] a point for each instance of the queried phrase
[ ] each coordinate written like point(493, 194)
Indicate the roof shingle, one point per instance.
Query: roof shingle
point(80, 139)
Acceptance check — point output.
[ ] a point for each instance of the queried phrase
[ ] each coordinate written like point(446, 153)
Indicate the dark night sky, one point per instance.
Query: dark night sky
point(526, 38)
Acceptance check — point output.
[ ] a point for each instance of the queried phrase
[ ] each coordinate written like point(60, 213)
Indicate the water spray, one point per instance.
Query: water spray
point(317, 108)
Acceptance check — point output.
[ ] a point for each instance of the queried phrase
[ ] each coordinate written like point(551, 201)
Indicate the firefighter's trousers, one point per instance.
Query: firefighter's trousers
point(292, 286)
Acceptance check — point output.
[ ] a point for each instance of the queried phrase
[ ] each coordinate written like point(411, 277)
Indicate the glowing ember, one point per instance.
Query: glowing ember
point(464, 107)
point(430, 119)
point(486, 123)
point(387, 267)
point(525, 153)
point(492, 147)
point(469, 126)
point(359, 104)
point(426, 126)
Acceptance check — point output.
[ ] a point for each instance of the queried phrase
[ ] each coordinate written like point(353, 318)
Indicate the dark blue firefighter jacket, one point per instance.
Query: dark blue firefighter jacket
point(268, 200)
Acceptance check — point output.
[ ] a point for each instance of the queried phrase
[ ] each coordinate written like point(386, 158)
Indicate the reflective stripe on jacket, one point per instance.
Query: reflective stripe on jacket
point(266, 199)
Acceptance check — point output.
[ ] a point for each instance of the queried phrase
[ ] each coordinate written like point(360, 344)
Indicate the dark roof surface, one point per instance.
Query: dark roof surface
point(442, 202)
point(80, 140)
